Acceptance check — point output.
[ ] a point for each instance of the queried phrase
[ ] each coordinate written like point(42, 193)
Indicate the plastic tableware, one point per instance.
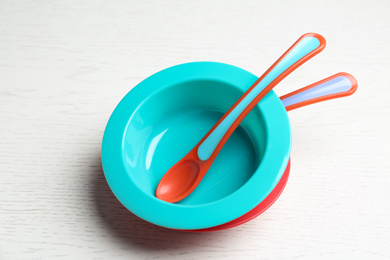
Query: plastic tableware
point(138, 136)
point(336, 86)
point(184, 176)
point(171, 111)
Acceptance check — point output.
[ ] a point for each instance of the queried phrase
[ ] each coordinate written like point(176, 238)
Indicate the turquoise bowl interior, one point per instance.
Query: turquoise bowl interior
point(163, 117)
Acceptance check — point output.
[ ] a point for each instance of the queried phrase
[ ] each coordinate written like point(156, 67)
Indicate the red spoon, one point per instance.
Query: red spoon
point(183, 177)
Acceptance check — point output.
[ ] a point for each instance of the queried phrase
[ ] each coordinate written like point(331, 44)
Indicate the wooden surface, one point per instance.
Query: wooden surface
point(64, 65)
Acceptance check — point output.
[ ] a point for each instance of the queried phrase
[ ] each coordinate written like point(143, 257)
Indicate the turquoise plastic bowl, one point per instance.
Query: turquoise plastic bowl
point(164, 116)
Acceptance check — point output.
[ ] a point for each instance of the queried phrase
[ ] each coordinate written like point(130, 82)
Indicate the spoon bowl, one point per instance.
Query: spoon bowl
point(189, 171)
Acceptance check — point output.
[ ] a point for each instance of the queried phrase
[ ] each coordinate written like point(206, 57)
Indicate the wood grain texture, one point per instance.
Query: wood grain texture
point(64, 65)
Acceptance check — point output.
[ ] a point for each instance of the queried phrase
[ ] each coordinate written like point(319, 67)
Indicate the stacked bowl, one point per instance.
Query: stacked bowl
point(164, 116)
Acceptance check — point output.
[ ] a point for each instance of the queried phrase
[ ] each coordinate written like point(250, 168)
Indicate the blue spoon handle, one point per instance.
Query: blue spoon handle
point(305, 48)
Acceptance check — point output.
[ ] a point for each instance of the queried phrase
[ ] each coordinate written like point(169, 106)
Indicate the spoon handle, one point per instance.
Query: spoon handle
point(339, 85)
point(301, 51)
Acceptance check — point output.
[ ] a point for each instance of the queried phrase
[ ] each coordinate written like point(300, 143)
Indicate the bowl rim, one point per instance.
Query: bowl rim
point(256, 211)
point(177, 216)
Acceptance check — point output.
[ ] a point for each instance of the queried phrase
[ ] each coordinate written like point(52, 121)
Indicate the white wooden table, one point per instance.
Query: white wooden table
point(64, 65)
